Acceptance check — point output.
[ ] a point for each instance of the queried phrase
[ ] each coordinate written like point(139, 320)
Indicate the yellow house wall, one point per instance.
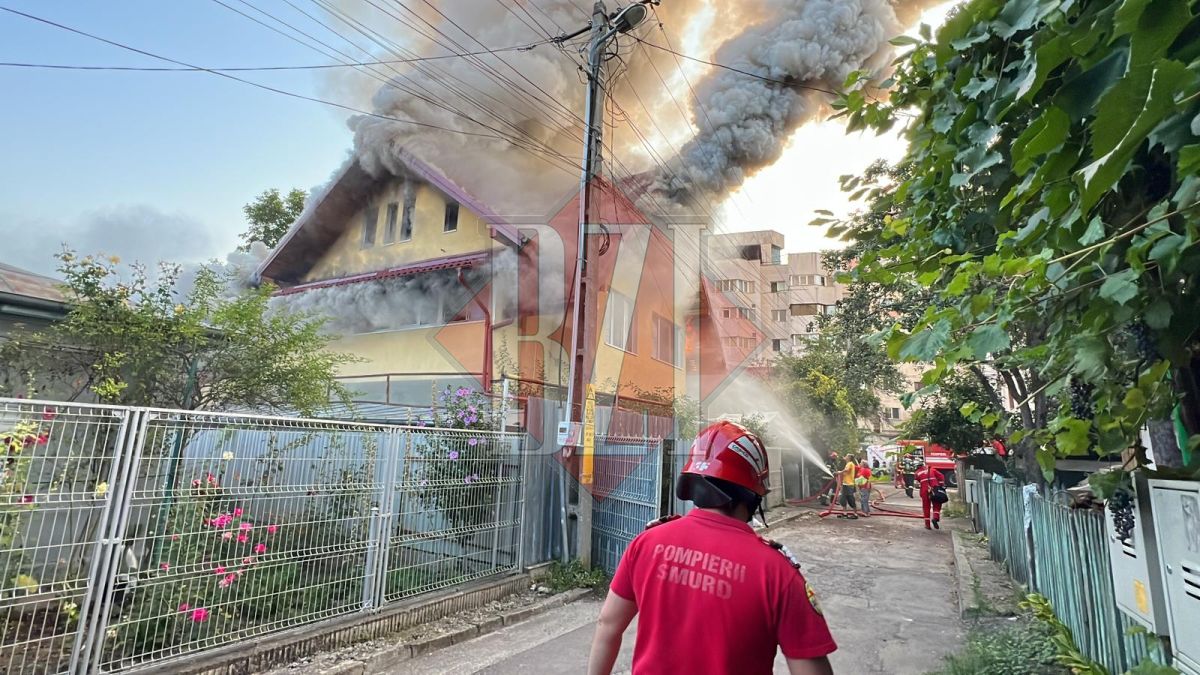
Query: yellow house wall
point(347, 256)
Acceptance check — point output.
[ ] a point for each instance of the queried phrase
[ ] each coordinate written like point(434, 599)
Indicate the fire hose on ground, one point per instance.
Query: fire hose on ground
point(834, 508)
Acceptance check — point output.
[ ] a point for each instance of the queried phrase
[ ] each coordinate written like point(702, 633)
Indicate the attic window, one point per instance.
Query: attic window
point(370, 219)
point(451, 222)
point(389, 227)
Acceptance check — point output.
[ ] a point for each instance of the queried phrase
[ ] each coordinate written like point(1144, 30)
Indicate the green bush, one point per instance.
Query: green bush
point(564, 577)
point(1022, 648)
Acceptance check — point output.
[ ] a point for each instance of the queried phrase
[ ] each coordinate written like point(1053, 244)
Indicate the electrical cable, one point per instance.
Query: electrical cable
point(251, 83)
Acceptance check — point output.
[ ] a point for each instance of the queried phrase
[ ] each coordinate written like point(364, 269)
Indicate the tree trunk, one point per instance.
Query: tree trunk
point(1163, 444)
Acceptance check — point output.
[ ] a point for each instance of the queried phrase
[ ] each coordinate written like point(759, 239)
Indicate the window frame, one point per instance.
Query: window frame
point(370, 226)
point(628, 309)
point(391, 215)
point(451, 206)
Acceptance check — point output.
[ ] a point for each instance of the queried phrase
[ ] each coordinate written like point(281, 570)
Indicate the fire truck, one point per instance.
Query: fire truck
point(936, 456)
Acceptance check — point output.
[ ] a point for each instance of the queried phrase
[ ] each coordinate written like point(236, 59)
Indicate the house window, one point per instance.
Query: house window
point(895, 413)
point(780, 315)
point(778, 286)
point(451, 221)
point(776, 255)
point(410, 201)
point(668, 342)
point(808, 279)
point(776, 345)
point(389, 226)
point(619, 329)
point(806, 309)
point(370, 218)
point(830, 310)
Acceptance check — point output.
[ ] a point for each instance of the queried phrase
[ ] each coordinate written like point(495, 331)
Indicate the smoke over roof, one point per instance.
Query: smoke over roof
point(510, 124)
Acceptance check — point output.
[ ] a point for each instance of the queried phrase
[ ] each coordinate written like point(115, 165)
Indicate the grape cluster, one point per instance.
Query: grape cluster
point(1081, 399)
point(1143, 340)
point(1120, 505)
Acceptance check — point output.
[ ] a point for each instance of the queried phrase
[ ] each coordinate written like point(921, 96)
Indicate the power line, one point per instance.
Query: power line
point(786, 83)
point(235, 78)
point(242, 69)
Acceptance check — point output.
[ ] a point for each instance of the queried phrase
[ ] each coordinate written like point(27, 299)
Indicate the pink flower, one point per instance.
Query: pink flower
point(199, 614)
point(245, 527)
point(49, 414)
point(247, 560)
point(260, 548)
point(27, 499)
point(183, 606)
point(174, 537)
point(164, 566)
point(237, 512)
point(227, 536)
point(43, 438)
point(227, 581)
point(453, 454)
point(219, 569)
point(242, 538)
point(272, 529)
point(196, 483)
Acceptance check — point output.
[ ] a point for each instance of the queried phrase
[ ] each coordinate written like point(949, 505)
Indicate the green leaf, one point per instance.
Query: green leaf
point(1126, 19)
point(968, 408)
point(924, 345)
point(1135, 399)
point(1046, 133)
point(988, 339)
point(1045, 460)
point(977, 86)
point(989, 420)
point(1094, 232)
point(1106, 483)
point(1073, 438)
point(1049, 56)
point(904, 41)
point(1102, 175)
point(959, 283)
point(1120, 287)
point(1158, 314)
point(1091, 356)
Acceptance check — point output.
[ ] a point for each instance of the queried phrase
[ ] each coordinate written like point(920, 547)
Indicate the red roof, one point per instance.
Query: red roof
point(449, 262)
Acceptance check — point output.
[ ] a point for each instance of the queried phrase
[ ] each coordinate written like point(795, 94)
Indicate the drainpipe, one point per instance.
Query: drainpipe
point(487, 333)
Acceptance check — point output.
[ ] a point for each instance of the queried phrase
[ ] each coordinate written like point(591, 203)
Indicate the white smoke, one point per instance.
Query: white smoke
point(428, 299)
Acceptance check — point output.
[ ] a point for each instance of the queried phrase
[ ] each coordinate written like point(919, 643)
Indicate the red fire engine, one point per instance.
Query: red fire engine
point(936, 456)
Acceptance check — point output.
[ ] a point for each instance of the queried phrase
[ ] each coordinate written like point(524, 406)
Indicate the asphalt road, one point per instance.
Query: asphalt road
point(886, 585)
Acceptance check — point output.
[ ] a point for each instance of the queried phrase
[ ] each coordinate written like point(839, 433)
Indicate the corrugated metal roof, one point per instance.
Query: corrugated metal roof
point(28, 284)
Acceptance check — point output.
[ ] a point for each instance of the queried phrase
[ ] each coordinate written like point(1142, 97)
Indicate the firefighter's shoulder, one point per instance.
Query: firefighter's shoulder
point(782, 550)
point(659, 521)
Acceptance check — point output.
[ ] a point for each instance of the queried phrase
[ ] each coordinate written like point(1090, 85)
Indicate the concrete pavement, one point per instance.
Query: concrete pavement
point(886, 585)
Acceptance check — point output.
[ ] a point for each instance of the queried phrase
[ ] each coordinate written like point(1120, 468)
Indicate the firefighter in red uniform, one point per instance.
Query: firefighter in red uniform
point(930, 479)
point(713, 597)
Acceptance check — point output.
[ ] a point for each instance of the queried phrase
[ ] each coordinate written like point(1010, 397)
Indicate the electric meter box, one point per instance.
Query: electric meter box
point(1136, 573)
point(1176, 506)
point(971, 491)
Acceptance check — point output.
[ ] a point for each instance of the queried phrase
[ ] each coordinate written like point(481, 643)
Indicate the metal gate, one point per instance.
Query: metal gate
point(627, 493)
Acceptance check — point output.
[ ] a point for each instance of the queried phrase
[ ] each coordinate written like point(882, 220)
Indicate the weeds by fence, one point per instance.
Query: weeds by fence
point(1061, 553)
point(129, 536)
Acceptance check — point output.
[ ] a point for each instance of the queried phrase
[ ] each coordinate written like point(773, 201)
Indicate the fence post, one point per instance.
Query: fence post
point(371, 573)
point(122, 493)
point(394, 444)
point(522, 491)
point(100, 549)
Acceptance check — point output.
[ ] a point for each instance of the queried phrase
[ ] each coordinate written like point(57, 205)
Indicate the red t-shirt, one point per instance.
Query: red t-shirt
point(714, 598)
point(864, 471)
point(929, 477)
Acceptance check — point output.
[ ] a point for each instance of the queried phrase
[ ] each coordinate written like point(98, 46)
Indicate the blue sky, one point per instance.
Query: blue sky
point(152, 165)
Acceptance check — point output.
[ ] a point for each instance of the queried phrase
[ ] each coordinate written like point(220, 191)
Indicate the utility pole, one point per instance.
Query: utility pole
point(583, 331)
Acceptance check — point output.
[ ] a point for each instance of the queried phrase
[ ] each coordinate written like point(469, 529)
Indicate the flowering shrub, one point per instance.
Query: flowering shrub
point(458, 472)
point(17, 447)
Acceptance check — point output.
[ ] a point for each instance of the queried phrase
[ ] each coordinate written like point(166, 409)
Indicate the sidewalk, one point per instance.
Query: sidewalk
point(886, 585)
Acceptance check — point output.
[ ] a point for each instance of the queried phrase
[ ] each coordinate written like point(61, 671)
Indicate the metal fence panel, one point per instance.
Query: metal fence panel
point(457, 510)
point(131, 536)
point(56, 490)
point(627, 493)
point(1071, 570)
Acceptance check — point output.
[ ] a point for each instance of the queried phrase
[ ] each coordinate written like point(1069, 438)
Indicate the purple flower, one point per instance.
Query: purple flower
point(463, 391)
point(473, 442)
point(471, 408)
point(453, 454)
point(472, 478)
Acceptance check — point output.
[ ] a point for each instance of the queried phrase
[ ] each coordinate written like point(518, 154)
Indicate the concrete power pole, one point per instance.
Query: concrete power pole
point(583, 332)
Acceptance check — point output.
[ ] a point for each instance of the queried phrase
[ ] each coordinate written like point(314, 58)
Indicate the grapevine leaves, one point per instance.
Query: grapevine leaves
point(1048, 200)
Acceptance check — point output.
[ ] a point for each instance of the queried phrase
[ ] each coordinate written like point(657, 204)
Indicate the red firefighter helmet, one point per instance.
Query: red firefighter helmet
point(729, 452)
